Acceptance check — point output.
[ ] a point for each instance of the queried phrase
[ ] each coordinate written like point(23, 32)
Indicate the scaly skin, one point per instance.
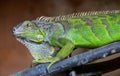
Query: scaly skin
point(88, 31)
point(101, 30)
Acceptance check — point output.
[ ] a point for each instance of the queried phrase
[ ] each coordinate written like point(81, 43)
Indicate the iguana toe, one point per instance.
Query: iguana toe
point(54, 60)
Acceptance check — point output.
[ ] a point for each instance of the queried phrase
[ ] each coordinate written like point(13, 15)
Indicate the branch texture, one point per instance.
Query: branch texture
point(69, 63)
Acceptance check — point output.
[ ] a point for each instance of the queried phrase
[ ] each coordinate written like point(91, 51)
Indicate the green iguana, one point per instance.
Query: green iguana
point(86, 29)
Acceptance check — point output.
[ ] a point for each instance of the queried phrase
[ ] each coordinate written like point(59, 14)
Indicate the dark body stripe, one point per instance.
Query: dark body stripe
point(94, 31)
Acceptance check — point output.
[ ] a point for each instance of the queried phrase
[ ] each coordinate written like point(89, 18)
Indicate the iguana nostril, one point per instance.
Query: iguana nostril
point(13, 31)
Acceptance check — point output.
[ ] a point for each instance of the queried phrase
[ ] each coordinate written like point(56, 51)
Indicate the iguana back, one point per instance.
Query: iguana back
point(90, 29)
point(94, 30)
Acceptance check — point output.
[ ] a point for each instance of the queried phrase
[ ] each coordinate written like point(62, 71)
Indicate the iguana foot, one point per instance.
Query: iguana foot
point(54, 60)
point(43, 60)
point(51, 60)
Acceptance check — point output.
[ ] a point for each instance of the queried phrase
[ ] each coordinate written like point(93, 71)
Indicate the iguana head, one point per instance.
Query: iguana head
point(29, 31)
point(32, 36)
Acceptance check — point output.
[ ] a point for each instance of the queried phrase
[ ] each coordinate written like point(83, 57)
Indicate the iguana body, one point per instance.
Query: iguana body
point(89, 30)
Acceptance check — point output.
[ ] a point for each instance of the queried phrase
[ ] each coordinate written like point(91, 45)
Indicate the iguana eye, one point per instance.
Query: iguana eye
point(28, 25)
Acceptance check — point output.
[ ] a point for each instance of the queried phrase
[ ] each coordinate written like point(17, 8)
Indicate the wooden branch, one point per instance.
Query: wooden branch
point(75, 61)
point(100, 68)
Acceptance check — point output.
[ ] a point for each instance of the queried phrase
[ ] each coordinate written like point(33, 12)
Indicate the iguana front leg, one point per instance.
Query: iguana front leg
point(63, 53)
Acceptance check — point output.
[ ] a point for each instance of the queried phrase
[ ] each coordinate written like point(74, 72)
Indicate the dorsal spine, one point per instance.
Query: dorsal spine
point(74, 15)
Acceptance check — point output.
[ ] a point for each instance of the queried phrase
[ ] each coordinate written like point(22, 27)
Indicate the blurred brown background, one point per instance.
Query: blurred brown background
point(13, 55)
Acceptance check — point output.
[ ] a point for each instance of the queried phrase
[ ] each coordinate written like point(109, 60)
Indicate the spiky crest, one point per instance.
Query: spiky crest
point(80, 14)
